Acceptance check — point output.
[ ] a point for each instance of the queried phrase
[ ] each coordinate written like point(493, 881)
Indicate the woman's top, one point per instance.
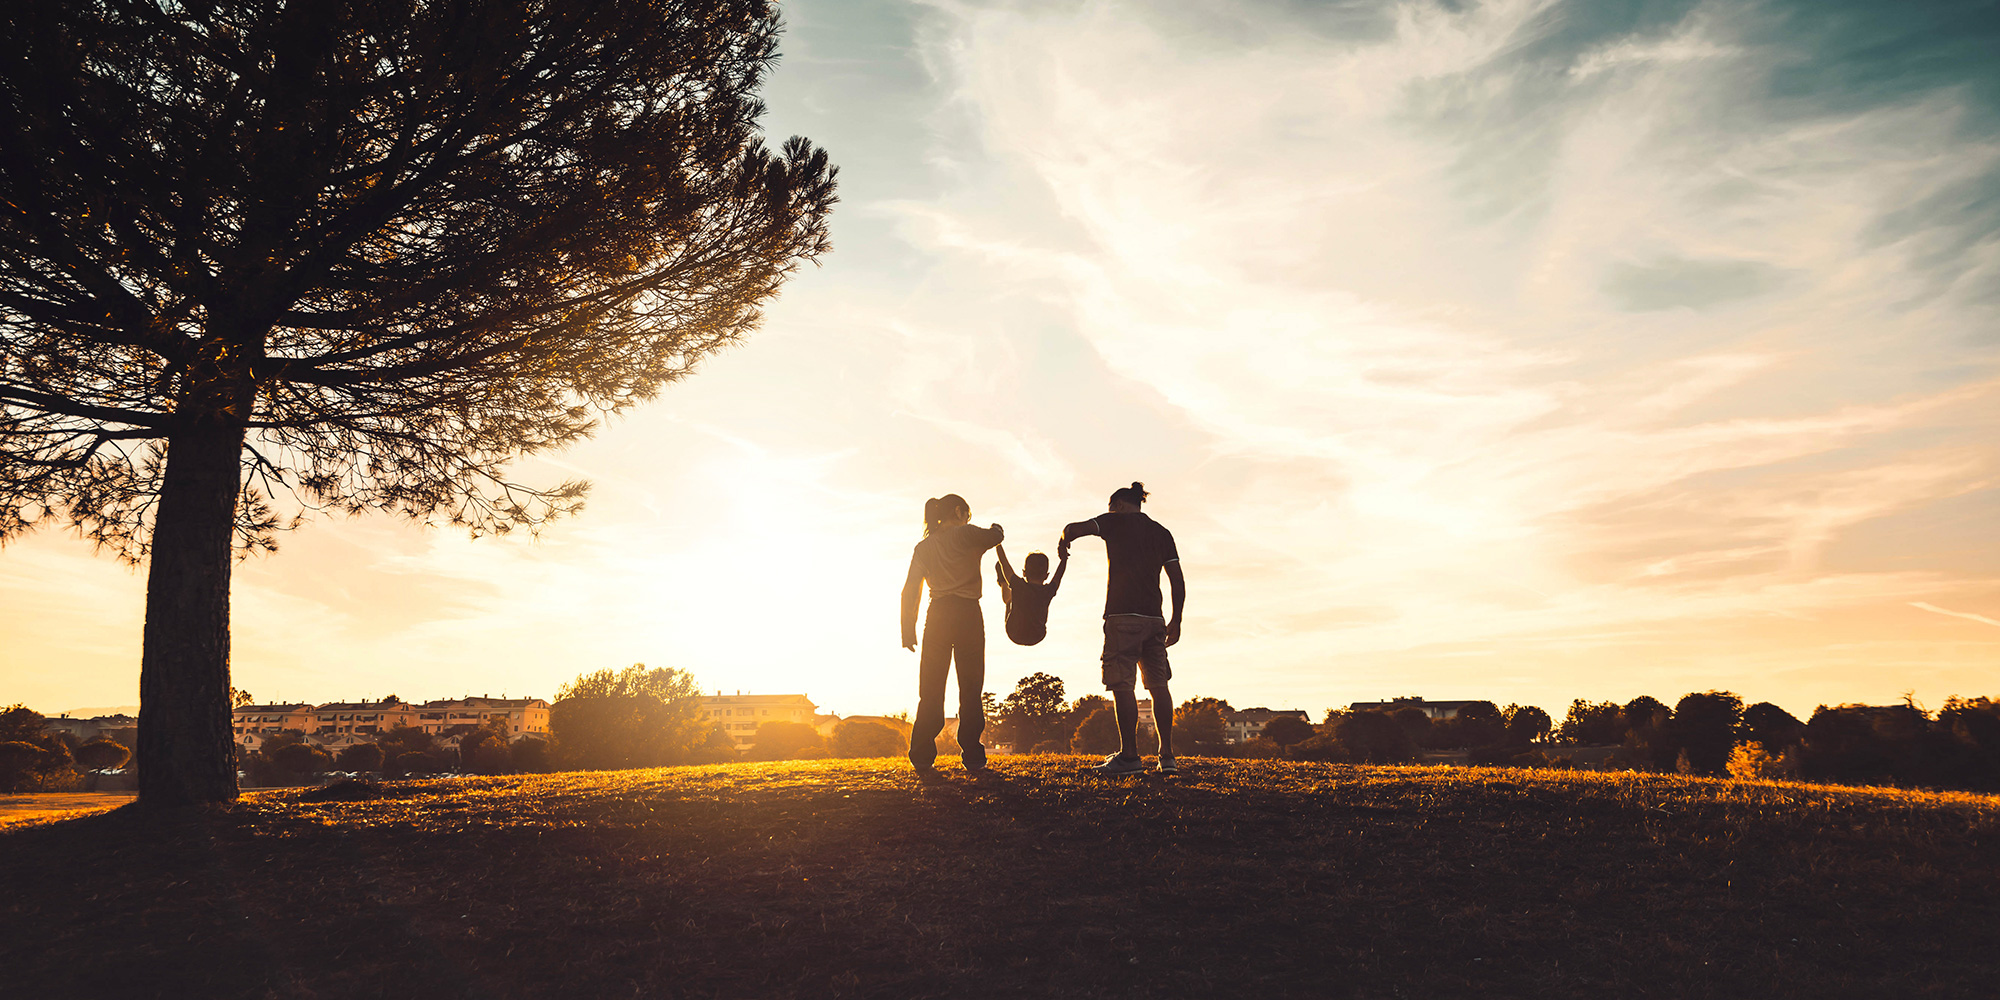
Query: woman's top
point(949, 559)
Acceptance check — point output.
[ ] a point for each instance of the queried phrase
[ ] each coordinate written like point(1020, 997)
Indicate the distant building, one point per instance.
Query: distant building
point(339, 724)
point(117, 728)
point(361, 718)
point(1248, 724)
point(1434, 709)
point(253, 724)
point(738, 715)
point(451, 718)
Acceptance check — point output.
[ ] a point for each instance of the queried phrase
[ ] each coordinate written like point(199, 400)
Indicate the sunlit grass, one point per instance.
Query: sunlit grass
point(852, 878)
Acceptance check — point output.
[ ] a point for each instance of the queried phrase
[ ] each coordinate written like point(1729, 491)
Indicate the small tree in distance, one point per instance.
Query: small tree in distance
point(866, 739)
point(102, 755)
point(353, 257)
point(1286, 730)
point(1198, 726)
point(361, 757)
point(1033, 714)
point(1096, 734)
point(783, 740)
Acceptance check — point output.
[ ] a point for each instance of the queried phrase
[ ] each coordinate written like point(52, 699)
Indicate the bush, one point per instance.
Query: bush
point(531, 756)
point(1096, 734)
point(414, 763)
point(485, 751)
point(1198, 727)
point(1704, 728)
point(786, 741)
point(1526, 723)
point(360, 758)
point(1256, 750)
point(1287, 730)
point(1591, 724)
point(1375, 738)
point(20, 764)
point(867, 739)
point(1750, 761)
point(301, 758)
point(1322, 747)
point(102, 755)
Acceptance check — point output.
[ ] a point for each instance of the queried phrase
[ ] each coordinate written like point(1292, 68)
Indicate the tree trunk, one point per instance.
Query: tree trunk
point(186, 751)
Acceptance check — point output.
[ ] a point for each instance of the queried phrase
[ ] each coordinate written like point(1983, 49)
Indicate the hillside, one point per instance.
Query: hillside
point(849, 878)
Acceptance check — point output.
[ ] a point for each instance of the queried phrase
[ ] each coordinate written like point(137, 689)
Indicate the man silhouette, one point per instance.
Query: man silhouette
point(1136, 635)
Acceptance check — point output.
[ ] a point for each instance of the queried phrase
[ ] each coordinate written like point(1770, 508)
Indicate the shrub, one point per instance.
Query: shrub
point(785, 740)
point(485, 752)
point(1526, 723)
point(1591, 724)
point(1375, 738)
point(1096, 734)
point(102, 755)
point(414, 762)
point(301, 758)
point(1286, 730)
point(866, 739)
point(360, 757)
point(1198, 726)
point(1322, 747)
point(1771, 726)
point(1704, 728)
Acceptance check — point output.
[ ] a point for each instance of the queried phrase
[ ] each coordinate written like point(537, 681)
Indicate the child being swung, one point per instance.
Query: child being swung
point(1028, 598)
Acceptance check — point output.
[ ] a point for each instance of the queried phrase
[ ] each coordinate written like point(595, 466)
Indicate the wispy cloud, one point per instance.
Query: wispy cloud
point(1967, 615)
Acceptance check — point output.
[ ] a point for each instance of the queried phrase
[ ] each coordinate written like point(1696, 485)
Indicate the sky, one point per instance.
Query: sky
point(1526, 350)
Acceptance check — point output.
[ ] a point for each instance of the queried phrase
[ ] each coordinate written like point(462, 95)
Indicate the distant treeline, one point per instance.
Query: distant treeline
point(1713, 733)
point(34, 758)
point(1706, 733)
point(648, 718)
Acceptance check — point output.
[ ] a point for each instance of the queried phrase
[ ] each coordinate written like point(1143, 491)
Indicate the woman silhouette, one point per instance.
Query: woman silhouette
point(954, 628)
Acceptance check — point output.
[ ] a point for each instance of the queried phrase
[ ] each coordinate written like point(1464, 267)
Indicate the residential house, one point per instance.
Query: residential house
point(524, 717)
point(1434, 709)
point(739, 715)
point(1248, 724)
point(252, 724)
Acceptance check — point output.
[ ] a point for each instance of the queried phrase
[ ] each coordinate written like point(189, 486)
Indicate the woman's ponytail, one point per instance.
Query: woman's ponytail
point(940, 511)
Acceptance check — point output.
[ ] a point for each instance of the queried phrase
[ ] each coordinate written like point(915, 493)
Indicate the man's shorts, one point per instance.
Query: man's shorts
point(1132, 643)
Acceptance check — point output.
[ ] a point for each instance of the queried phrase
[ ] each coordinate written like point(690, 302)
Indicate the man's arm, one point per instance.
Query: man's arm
point(1180, 597)
point(913, 591)
point(1072, 532)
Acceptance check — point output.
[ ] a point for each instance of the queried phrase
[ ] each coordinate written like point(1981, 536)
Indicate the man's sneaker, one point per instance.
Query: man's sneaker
point(1115, 764)
point(1167, 766)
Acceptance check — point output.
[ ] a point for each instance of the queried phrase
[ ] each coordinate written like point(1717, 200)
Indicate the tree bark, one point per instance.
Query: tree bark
point(186, 750)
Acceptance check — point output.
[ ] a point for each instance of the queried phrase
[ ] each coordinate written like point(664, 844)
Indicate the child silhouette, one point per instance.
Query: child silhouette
point(1027, 598)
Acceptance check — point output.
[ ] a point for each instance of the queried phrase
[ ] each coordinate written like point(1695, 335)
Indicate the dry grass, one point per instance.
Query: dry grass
point(849, 878)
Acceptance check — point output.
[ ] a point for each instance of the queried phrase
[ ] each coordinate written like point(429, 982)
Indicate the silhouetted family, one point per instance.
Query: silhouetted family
point(1136, 632)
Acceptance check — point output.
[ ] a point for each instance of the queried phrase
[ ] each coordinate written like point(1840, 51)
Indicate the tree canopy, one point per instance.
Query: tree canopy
point(259, 259)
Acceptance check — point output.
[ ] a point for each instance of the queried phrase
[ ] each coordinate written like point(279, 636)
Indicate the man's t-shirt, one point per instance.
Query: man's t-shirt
point(1138, 548)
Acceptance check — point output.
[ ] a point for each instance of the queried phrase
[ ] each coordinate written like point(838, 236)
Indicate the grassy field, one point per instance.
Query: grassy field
point(850, 878)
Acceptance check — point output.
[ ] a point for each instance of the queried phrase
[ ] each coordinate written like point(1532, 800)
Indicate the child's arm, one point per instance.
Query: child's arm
point(1062, 563)
point(1004, 571)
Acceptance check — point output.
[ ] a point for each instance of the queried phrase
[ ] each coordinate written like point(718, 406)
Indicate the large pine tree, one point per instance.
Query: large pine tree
point(356, 255)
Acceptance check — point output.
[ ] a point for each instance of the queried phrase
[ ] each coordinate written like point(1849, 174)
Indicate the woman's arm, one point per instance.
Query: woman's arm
point(913, 591)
